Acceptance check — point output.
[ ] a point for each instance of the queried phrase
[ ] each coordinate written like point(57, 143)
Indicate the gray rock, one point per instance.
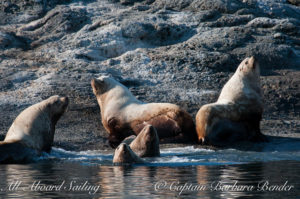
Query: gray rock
point(55, 24)
point(14, 11)
point(10, 40)
point(177, 51)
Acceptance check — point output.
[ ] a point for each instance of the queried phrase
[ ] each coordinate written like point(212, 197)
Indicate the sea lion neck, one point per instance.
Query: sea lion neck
point(55, 118)
point(116, 94)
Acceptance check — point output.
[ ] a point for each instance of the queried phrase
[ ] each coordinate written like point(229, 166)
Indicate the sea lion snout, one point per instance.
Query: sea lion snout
point(93, 82)
point(149, 132)
point(252, 61)
point(151, 128)
point(152, 131)
point(65, 101)
point(123, 147)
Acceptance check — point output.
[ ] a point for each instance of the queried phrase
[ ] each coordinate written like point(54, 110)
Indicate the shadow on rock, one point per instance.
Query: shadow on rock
point(160, 34)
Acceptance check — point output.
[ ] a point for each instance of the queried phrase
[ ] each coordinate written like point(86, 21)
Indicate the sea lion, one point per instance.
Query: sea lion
point(237, 113)
point(124, 115)
point(34, 128)
point(146, 144)
point(124, 155)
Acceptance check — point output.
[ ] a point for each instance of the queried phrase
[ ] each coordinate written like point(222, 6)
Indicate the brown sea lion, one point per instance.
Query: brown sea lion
point(237, 113)
point(124, 115)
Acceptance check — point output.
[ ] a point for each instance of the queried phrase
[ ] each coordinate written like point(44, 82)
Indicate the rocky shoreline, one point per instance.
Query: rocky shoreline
point(177, 51)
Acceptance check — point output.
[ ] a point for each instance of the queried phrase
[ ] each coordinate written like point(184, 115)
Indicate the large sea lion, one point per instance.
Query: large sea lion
point(146, 144)
point(124, 115)
point(237, 113)
point(124, 155)
point(33, 129)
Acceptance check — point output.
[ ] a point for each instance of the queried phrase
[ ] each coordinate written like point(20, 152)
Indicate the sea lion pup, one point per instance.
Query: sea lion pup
point(146, 144)
point(35, 126)
point(123, 115)
point(124, 155)
point(237, 113)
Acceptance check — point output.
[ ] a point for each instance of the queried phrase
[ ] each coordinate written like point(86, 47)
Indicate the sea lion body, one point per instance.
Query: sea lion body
point(237, 113)
point(123, 115)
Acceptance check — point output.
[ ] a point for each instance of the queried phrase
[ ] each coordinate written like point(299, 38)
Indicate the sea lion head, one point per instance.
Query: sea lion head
point(249, 67)
point(102, 84)
point(124, 154)
point(146, 143)
point(57, 106)
point(149, 134)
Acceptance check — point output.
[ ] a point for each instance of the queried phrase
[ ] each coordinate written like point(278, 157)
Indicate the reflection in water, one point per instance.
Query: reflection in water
point(148, 181)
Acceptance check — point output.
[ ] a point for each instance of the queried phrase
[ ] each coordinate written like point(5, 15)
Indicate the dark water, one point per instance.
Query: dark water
point(150, 181)
point(271, 171)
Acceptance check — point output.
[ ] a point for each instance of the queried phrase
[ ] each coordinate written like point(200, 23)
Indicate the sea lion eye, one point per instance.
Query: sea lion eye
point(246, 62)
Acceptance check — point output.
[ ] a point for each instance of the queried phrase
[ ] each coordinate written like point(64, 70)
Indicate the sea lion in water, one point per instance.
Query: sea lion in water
point(146, 144)
point(33, 130)
point(237, 113)
point(124, 155)
point(123, 115)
